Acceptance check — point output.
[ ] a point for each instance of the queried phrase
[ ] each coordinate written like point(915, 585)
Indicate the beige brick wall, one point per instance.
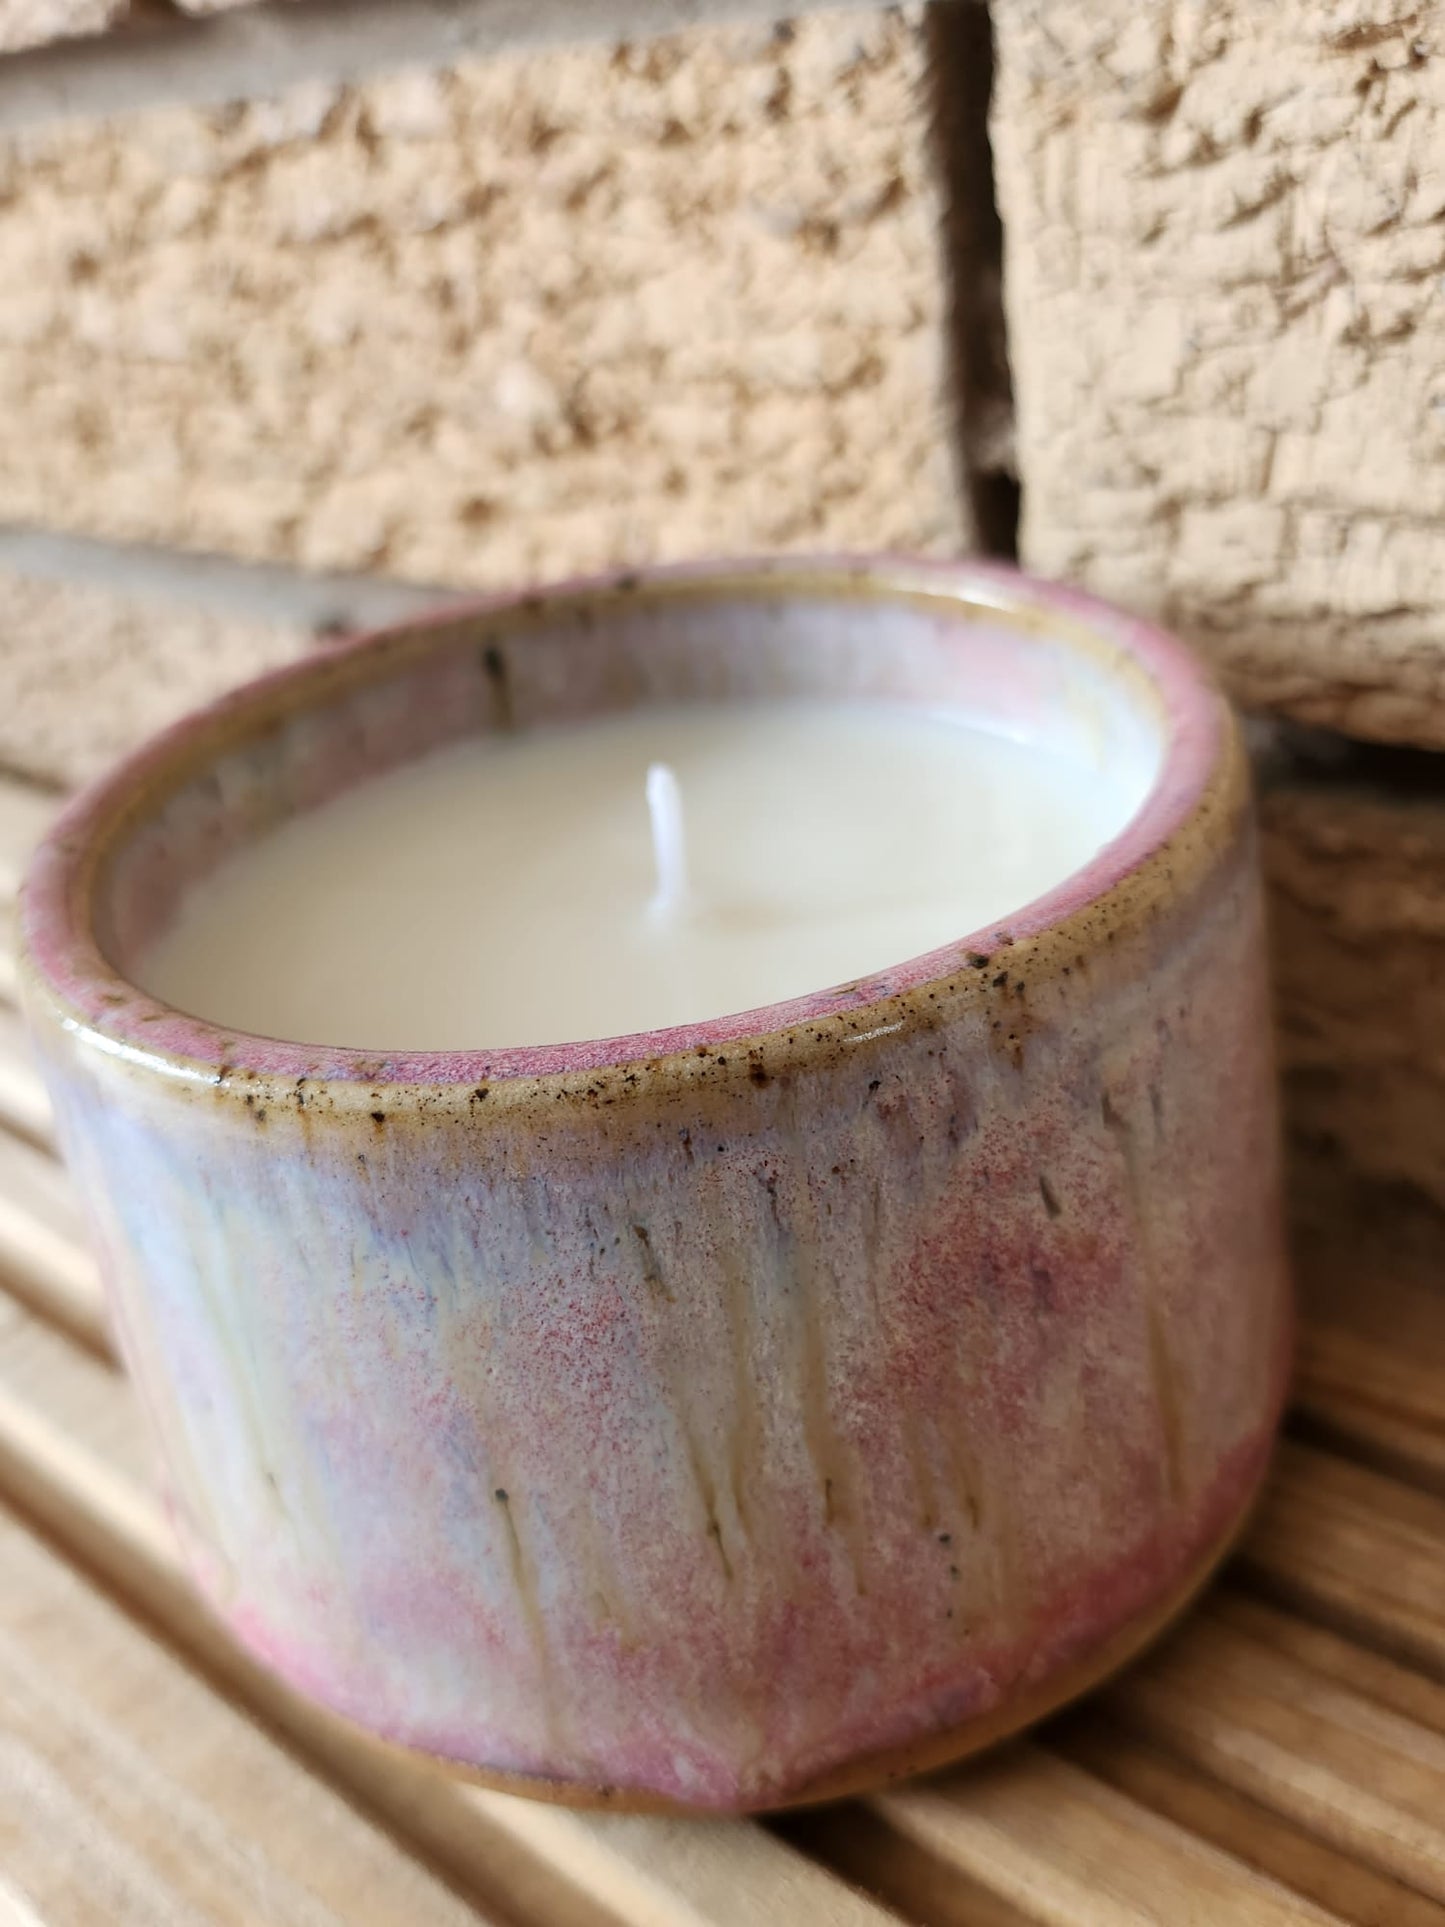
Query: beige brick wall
point(33, 23)
point(1225, 234)
point(87, 673)
point(525, 316)
point(30, 23)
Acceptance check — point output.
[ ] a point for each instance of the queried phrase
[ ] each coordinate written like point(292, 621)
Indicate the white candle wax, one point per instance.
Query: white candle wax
point(507, 890)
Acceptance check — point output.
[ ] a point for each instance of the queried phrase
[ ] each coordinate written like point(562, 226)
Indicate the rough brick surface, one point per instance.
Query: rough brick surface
point(30, 23)
point(529, 315)
point(1225, 235)
point(87, 674)
point(1357, 885)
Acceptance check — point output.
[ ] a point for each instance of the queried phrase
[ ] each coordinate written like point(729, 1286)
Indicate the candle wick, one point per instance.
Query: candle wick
point(669, 842)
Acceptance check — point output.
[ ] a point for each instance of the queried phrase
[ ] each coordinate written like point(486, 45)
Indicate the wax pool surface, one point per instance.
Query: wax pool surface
point(497, 891)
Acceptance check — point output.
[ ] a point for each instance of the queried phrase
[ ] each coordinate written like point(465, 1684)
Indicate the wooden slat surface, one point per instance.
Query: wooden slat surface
point(131, 1792)
point(537, 1862)
point(24, 1106)
point(1372, 1348)
point(1319, 1751)
point(1066, 1848)
point(43, 1258)
point(1306, 1862)
point(1280, 1758)
point(24, 813)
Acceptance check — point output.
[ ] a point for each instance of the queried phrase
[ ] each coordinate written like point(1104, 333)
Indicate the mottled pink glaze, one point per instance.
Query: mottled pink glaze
point(693, 1414)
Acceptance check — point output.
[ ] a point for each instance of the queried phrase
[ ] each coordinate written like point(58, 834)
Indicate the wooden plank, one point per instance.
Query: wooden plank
point(43, 1256)
point(1359, 1775)
point(1355, 1549)
point(131, 1794)
point(1335, 1657)
point(24, 1103)
point(15, 1907)
point(1401, 1443)
point(25, 812)
point(1071, 1852)
point(544, 1864)
point(1253, 1833)
point(917, 1883)
point(81, 1394)
point(1371, 1373)
point(1179, 1786)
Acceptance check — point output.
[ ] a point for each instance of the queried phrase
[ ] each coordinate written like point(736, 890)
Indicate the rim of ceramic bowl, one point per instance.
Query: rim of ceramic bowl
point(1201, 783)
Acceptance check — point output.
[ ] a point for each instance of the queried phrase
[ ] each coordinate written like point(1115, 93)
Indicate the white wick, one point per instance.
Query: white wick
point(669, 843)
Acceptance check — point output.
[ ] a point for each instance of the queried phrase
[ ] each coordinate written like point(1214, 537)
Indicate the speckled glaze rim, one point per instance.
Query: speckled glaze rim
point(1200, 788)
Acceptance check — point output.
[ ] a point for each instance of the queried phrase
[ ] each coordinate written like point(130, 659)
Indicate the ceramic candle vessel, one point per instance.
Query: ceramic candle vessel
point(733, 1415)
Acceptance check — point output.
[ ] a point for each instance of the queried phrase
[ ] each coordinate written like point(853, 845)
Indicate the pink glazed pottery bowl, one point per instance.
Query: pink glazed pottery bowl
point(739, 1414)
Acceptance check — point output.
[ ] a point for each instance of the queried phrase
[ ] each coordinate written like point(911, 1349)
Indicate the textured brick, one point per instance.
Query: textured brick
point(1357, 885)
point(523, 316)
point(30, 23)
point(88, 674)
point(1225, 230)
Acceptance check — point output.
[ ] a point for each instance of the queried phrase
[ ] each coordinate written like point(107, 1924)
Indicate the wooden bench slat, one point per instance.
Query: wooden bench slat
point(24, 1102)
point(1371, 1370)
point(1355, 1549)
point(1259, 1835)
point(917, 1883)
point(25, 813)
point(132, 1794)
point(44, 1259)
point(1334, 1656)
point(1073, 1852)
point(1360, 1775)
point(80, 1393)
point(539, 1863)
